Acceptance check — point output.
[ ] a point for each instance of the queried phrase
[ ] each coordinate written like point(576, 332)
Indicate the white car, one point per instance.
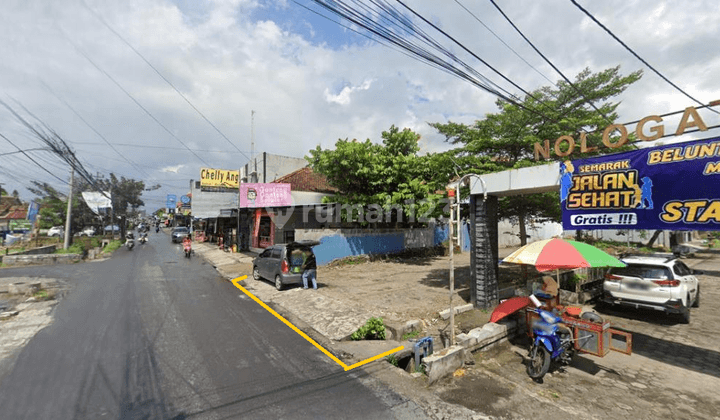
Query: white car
point(58, 231)
point(662, 283)
point(88, 231)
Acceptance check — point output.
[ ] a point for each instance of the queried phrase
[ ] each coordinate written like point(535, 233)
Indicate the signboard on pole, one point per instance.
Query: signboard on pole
point(171, 200)
point(674, 187)
point(97, 201)
point(265, 195)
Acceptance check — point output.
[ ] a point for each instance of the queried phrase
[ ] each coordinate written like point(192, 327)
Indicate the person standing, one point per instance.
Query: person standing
point(309, 269)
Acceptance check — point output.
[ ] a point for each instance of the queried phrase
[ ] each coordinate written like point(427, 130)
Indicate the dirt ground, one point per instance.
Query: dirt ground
point(399, 290)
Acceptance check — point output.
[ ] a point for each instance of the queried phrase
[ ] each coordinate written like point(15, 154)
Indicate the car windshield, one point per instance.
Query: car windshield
point(643, 271)
point(181, 230)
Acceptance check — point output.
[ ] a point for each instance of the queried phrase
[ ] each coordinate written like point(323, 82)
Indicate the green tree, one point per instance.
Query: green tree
point(390, 182)
point(126, 199)
point(53, 205)
point(508, 136)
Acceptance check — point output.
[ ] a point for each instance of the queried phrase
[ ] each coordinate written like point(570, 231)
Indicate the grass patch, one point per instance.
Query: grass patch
point(393, 360)
point(44, 294)
point(76, 248)
point(112, 246)
point(411, 334)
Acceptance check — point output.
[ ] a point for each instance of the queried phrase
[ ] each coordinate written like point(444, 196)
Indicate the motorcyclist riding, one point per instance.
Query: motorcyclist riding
point(130, 240)
point(187, 246)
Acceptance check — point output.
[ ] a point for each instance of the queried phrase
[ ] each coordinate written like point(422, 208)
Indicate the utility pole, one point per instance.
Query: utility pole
point(252, 146)
point(451, 197)
point(68, 227)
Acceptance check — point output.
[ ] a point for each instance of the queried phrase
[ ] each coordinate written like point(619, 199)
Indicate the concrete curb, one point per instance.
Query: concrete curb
point(25, 260)
point(445, 362)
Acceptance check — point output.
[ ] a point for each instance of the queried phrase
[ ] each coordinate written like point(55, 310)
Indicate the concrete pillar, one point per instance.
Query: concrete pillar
point(484, 251)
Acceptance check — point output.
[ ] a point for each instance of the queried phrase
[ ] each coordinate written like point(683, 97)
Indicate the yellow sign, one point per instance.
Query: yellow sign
point(219, 178)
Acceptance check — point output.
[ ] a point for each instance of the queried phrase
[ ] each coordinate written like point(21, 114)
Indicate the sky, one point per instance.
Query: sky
point(172, 85)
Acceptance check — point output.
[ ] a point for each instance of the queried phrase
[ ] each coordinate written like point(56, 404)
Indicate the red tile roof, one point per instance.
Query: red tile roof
point(305, 179)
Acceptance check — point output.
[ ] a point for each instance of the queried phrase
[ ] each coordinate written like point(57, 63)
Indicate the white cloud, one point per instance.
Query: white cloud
point(309, 82)
point(173, 169)
point(343, 98)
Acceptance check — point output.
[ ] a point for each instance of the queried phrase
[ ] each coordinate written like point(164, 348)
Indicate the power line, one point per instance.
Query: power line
point(133, 98)
point(589, 102)
point(162, 77)
point(503, 42)
point(28, 156)
point(145, 146)
point(477, 57)
point(387, 22)
point(383, 43)
point(21, 151)
point(92, 128)
point(635, 54)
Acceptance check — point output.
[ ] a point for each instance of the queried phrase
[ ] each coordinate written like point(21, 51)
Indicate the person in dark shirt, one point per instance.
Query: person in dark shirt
point(309, 269)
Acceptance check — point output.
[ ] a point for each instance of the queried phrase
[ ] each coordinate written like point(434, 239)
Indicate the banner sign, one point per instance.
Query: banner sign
point(97, 201)
point(265, 195)
point(672, 187)
point(219, 178)
point(171, 200)
point(32, 212)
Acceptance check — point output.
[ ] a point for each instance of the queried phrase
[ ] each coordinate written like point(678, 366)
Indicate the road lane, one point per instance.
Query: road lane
point(150, 334)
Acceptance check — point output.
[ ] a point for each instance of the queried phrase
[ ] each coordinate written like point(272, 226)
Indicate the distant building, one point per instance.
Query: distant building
point(267, 167)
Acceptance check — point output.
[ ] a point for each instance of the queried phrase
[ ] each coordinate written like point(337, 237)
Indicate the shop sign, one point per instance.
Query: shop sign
point(674, 187)
point(254, 195)
point(219, 178)
point(566, 145)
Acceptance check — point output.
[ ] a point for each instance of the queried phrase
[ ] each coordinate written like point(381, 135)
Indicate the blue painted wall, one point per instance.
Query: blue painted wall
point(338, 246)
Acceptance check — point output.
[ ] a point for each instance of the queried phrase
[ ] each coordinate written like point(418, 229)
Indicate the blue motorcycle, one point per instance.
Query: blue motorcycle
point(553, 343)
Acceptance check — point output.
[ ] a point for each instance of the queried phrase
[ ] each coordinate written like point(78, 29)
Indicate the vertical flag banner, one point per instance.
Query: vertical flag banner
point(675, 187)
point(32, 212)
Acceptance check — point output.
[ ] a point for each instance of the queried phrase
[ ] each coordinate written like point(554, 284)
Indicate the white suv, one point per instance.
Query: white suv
point(662, 283)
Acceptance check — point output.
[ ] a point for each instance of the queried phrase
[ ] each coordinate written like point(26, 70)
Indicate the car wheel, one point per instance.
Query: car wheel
point(278, 282)
point(696, 304)
point(256, 273)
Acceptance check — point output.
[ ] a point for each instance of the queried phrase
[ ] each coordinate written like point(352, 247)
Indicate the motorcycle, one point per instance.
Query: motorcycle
point(129, 242)
point(187, 246)
point(143, 238)
point(553, 343)
point(157, 229)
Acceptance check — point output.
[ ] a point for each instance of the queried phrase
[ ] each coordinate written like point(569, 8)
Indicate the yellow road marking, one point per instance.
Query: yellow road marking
point(236, 282)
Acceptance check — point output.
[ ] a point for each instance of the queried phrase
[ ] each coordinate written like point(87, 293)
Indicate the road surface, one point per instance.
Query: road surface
point(148, 334)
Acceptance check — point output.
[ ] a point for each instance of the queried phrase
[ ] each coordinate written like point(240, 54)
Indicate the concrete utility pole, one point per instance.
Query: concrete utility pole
point(451, 196)
point(69, 211)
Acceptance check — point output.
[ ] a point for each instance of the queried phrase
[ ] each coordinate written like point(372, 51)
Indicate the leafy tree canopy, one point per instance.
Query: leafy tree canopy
point(384, 176)
point(508, 137)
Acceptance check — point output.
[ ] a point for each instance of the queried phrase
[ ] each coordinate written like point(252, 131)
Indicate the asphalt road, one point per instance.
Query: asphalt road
point(149, 334)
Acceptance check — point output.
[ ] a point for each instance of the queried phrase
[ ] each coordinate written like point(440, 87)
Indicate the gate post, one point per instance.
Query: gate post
point(483, 251)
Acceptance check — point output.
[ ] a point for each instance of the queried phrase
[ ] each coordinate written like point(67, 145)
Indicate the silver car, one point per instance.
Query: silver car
point(179, 233)
point(662, 283)
point(275, 263)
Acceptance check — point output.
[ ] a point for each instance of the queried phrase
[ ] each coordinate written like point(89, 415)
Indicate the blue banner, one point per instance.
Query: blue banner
point(673, 187)
point(32, 213)
point(171, 200)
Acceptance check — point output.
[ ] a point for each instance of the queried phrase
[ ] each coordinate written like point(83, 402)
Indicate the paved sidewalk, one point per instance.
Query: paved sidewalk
point(330, 317)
